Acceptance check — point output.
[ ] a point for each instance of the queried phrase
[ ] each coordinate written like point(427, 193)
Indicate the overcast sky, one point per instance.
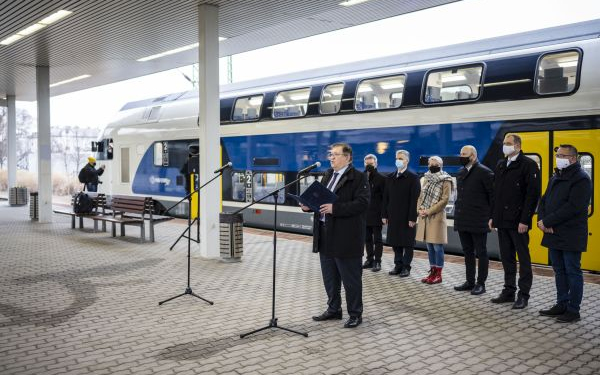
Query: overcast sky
point(459, 22)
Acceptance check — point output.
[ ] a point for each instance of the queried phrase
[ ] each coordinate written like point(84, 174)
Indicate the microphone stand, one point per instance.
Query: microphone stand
point(188, 289)
point(273, 321)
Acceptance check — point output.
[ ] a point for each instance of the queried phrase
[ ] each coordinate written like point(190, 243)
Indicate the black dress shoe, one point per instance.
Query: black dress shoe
point(396, 270)
point(504, 298)
point(478, 289)
point(568, 317)
point(376, 267)
point(353, 322)
point(520, 304)
point(464, 287)
point(368, 264)
point(404, 273)
point(555, 310)
point(328, 315)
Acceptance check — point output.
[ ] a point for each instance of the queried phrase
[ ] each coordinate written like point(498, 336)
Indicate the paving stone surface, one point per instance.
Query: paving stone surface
point(78, 302)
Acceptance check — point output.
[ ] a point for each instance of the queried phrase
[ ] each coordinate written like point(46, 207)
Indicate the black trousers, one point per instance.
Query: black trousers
point(474, 244)
point(374, 243)
point(513, 244)
point(403, 256)
point(337, 271)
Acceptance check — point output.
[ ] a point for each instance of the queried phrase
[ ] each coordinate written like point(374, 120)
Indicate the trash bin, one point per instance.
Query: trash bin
point(17, 196)
point(34, 208)
point(231, 235)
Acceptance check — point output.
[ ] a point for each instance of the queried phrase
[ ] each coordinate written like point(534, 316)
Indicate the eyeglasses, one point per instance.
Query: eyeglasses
point(562, 156)
point(333, 154)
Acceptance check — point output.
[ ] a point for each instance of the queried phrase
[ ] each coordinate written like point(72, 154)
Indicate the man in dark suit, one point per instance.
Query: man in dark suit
point(472, 211)
point(399, 212)
point(339, 235)
point(516, 194)
point(374, 242)
point(563, 217)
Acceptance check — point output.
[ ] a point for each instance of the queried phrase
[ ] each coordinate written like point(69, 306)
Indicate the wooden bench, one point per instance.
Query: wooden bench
point(132, 210)
point(99, 208)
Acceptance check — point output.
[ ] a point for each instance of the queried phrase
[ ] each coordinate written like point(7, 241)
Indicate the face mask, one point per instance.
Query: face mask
point(507, 150)
point(399, 163)
point(369, 168)
point(562, 163)
point(464, 160)
point(434, 169)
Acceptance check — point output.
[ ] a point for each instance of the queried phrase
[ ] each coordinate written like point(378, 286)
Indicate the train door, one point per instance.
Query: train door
point(536, 145)
point(540, 147)
point(586, 142)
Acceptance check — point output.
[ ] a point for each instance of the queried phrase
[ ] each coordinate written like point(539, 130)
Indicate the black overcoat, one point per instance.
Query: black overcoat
point(564, 208)
point(346, 226)
point(377, 186)
point(473, 205)
point(516, 192)
point(400, 207)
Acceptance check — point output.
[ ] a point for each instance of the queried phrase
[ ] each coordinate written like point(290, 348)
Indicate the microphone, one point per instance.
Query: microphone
point(310, 168)
point(228, 165)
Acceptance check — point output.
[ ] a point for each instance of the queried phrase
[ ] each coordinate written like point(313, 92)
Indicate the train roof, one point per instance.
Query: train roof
point(507, 43)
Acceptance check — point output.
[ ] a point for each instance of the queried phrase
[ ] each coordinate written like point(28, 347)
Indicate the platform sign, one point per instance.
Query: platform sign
point(248, 185)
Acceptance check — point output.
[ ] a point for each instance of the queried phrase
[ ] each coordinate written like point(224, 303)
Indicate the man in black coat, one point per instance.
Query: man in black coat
point(90, 174)
point(374, 242)
point(516, 194)
point(339, 235)
point(399, 212)
point(472, 212)
point(563, 217)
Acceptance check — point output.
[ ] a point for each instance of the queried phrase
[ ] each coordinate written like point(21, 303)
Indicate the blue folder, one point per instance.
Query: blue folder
point(315, 196)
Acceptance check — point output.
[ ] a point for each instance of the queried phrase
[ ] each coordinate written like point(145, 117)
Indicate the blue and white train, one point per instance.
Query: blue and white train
point(544, 85)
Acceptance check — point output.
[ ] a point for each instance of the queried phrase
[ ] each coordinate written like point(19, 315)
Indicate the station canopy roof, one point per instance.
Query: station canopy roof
point(105, 39)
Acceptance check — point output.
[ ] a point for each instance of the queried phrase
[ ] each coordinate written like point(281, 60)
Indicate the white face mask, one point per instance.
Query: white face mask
point(562, 163)
point(507, 150)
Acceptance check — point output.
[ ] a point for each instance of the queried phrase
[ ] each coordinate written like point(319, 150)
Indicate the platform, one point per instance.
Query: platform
point(78, 302)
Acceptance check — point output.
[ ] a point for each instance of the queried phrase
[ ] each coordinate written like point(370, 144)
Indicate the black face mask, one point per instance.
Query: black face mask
point(369, 168)
point(434, 169)
point(464, 160)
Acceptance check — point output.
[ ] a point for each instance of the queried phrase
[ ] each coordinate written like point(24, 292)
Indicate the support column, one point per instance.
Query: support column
point(12, 141)
point(209, 141)
point(43, 141)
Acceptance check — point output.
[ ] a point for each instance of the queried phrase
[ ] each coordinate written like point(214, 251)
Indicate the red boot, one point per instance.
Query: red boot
point(437, 277)
point(427, 278)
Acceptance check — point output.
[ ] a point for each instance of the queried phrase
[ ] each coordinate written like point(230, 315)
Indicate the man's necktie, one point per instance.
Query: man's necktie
point(332, 182)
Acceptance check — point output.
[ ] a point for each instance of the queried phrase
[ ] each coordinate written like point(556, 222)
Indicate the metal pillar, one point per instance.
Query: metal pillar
point(12, 141)
point(43, 141)
point(209, 141)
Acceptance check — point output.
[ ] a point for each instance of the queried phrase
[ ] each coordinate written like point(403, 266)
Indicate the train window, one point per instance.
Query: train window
point(264, 183)
point(557, 73)
point(536, 158)
point(453, 85)
point(379, 93)
point(246, 109)
point(125, 164)
point(331, 98)
point(161, 154)
point(587, 164)
point(238, 183)
point(291, 103)
point(307, 181)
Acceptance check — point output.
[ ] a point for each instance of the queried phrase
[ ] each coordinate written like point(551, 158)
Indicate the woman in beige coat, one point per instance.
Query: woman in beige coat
point(431, 226)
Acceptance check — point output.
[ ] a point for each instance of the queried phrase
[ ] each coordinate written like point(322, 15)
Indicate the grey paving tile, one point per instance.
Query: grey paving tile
point(79, 302)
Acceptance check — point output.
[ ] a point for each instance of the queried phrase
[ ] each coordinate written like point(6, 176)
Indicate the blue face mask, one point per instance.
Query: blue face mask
point(399, 163)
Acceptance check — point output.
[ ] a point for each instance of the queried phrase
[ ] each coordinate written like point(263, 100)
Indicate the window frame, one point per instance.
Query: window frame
point(481, 64)
point(343, 83)
point(260, 109)
point(579, 155)
point(405, 75)
point(309, 88)
point(577, 75)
